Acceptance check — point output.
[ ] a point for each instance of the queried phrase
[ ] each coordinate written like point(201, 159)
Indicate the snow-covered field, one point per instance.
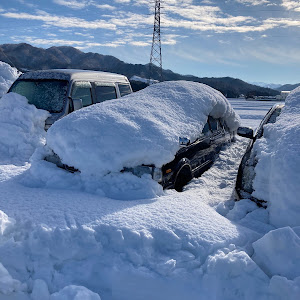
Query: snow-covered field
point(59, 240)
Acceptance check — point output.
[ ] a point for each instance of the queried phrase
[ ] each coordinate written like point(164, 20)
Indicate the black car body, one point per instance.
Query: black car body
point(192, 159)
point(246, 172)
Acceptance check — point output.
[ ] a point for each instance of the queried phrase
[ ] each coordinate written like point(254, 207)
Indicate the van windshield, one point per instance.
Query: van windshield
point(49, 94)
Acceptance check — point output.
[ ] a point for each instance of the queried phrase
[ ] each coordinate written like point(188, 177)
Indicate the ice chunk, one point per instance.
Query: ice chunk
point(40, 290)
point(73, 292)
point(7, 283)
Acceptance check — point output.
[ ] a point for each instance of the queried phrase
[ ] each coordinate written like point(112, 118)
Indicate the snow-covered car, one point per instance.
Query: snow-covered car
point(171, 131)
point(246, 173)
point(62, 91)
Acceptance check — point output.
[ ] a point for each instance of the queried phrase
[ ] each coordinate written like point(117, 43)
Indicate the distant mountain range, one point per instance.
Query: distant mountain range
point(288, 87)
point(26, 57)
point(278, 87)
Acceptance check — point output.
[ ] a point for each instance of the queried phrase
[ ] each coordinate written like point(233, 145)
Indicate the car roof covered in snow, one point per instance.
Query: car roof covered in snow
point(74, 74)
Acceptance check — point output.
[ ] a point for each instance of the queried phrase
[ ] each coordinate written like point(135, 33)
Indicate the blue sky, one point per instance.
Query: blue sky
point(254, 40)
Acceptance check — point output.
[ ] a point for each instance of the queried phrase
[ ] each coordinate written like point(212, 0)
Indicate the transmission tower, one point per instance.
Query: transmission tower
point(155, 57)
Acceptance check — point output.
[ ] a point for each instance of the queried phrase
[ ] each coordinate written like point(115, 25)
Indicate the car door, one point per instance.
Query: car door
point(216, 134)
point(198, 151)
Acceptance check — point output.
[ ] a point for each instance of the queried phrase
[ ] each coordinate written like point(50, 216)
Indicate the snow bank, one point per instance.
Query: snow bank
point(7, 76)
point(278, 253)
point(231, 274)
point(141, 128)
point(21, 128)
point(118, 262)
point(277, 171)
point(144, 80)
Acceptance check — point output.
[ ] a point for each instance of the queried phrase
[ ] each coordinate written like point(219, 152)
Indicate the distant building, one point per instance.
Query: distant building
point(282, 95)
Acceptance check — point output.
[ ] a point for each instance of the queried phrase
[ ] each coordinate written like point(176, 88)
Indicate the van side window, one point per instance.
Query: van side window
point(82, 90)
point(124, 89)
point(104, 92)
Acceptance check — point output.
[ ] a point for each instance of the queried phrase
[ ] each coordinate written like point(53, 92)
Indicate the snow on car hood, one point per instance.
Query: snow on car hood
point(141, 128)
point(277, 171)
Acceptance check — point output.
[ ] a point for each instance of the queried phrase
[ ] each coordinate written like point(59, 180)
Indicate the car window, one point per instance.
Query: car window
point(272, 119)
point(214, 124)
point(274, 115)
point(124, 89)
point(222, 124)
point(82, 90)
point(104, 92)
point(49, 94)
point(206, 129)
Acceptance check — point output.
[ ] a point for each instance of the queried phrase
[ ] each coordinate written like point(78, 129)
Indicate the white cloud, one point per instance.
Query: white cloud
point(75, 4)
point(85, 35)
point(248, 38)
point(59, 21)
point(227, 42)
point(254, 2)
point(63, 42)
point(291, 5)
point(140, 43)
point(283, 22)
point(131, 20)
point(122, 1)
point(105, 6)
point(278, 55)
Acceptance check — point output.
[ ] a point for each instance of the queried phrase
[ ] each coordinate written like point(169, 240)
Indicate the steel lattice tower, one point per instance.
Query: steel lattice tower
point(155, 57)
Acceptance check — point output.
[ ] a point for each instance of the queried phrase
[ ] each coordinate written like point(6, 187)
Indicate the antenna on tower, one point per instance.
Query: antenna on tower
point(155, 57)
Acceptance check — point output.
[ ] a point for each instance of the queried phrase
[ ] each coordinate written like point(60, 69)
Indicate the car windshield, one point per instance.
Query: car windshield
point(44, 94)
point(274, 115)
point(271, 119)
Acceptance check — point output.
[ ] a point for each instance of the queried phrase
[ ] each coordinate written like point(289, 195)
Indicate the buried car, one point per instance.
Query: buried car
point(61, 91)
point(171, 131)
point(246, 172)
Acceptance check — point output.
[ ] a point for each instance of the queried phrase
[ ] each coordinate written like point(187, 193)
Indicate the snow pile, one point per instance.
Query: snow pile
point(66, 244)
point(21, 128)
point(277, 171)
point(141, 128)
point(144, 80)
point(278, 253)
point(118, 262)
point(7, 76)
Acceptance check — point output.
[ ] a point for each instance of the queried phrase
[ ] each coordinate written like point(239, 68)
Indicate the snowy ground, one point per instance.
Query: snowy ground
point(58, 241)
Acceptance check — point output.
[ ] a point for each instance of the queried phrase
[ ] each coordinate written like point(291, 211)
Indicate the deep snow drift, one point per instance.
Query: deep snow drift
point(7, 76)
point(141, 128)
point(59, 242)
point(277, 179)
point(21, 129)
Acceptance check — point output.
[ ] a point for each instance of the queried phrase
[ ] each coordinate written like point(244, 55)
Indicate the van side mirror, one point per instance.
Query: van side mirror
point(245, 132)
point(77, 104)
